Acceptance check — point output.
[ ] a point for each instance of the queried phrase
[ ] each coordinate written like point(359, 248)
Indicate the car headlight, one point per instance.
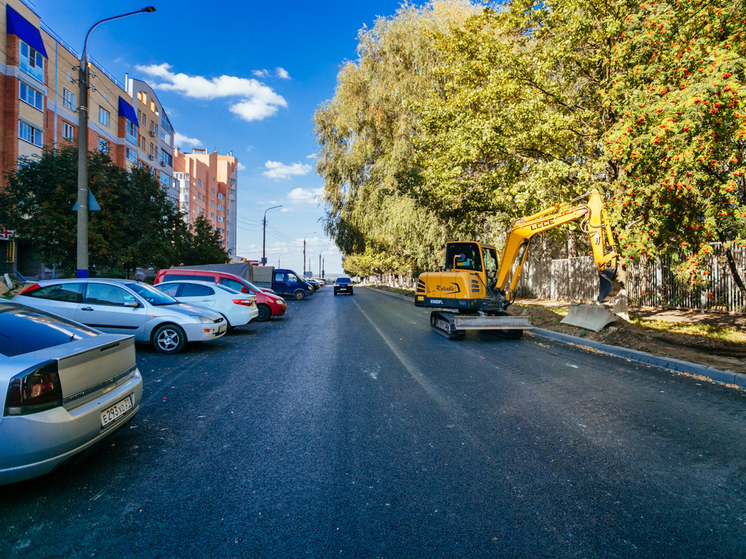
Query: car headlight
point(205, 320)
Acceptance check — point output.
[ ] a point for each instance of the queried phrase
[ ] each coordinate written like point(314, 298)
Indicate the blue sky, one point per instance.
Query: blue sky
point(241, 77)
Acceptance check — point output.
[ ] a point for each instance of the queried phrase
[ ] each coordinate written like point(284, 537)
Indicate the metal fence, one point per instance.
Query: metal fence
point(649, 283)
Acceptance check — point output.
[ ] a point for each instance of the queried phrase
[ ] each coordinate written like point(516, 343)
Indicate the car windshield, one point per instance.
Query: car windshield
point(152, 295)
point(340, 281)
point(23, 330)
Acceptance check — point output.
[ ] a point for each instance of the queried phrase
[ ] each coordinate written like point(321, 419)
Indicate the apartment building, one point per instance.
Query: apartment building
point(208, 186)
point(40, 92)
point(156, 135)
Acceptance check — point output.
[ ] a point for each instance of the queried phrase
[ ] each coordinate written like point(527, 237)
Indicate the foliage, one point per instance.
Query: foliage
point(203, 245)
point(365, 133)
point(680, 131)
point(137, 226)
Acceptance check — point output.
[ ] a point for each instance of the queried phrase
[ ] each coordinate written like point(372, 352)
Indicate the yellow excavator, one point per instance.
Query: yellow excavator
point(473, 289)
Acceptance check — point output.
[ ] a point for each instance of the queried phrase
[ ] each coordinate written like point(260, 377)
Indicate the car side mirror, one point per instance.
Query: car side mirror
point(133, 304)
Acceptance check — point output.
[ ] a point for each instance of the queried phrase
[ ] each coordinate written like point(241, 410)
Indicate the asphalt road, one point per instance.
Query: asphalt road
point(348, 429)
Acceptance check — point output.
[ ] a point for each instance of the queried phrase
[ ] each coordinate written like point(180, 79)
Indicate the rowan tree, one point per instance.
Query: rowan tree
point(680, 131)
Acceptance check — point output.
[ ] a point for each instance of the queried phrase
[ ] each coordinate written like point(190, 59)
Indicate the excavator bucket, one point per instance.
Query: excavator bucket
point(608, 286)
point(590, 317)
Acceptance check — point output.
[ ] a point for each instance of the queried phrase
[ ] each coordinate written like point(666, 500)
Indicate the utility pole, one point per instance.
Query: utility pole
point(83, 191)
point(264, 235)
point(304, 251)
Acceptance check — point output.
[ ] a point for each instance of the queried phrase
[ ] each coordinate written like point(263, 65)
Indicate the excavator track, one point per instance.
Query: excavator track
point(453, 326)
point(443, 323)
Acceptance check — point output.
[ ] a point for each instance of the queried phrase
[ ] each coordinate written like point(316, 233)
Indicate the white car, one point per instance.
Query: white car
point(126, 307)
point(238, 308)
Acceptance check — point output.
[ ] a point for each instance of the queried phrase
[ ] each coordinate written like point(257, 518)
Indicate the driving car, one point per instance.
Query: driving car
point(237, 308)
point(343, 285)
point(126, 307)
point(66, 387)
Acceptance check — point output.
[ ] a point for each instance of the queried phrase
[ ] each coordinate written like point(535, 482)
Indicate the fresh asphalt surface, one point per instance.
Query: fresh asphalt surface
point(349, 429)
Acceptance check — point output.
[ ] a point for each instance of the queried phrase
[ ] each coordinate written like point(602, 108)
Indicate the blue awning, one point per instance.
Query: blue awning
point(126, 110)
point(22, 28)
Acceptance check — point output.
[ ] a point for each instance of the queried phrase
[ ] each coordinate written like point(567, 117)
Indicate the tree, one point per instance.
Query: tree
point(680, 132)
point(137, 225)
point(202, 244)
point(365, 133)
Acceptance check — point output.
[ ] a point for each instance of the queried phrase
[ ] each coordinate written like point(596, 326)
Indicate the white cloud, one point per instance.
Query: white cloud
point(276, 170)
point(241, 167)
point(282, 73)
point(303, 196)
point(312, 156)
point(258, 100)
point(261, 73)
point(180, 139)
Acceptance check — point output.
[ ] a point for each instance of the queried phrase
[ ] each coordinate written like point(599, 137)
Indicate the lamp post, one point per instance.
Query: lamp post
point(304, 251)
point(82, 262)
point(264, 234)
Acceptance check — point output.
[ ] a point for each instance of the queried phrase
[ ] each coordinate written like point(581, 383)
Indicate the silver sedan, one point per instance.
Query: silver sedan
point(66, 388)
point(126, 307)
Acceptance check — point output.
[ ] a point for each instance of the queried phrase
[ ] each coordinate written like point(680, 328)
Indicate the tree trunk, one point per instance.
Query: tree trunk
point(734, 271)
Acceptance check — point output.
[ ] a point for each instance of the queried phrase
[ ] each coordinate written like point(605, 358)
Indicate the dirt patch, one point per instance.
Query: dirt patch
point(703, 350)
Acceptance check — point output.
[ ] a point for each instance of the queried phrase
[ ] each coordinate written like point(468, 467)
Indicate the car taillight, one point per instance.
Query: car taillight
point(34, 390)
point(247, 302)
point(30, 288)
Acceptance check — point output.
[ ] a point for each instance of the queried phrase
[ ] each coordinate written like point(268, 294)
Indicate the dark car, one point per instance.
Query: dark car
point(343, 285)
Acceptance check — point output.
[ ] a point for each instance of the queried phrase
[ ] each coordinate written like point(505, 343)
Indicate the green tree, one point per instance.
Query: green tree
point(365, 133)
point(201, 244)
point(679, 137)
point(136, 226)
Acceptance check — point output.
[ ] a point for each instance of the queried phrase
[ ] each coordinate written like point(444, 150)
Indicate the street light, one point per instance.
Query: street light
point(264, 234)
point(82, 265)
point(304, 251)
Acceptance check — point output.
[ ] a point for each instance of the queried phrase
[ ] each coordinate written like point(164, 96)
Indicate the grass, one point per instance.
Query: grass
point(734, 335)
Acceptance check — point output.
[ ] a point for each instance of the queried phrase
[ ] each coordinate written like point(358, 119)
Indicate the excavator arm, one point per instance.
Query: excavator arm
point(595, 223)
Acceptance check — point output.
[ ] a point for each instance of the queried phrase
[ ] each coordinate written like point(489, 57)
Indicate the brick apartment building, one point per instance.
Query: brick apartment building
point(38, 81)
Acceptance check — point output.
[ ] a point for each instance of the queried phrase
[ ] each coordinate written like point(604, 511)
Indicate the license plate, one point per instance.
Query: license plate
point(116, 411)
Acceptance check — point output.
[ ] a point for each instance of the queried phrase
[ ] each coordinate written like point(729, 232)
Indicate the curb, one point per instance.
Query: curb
point(667, 363)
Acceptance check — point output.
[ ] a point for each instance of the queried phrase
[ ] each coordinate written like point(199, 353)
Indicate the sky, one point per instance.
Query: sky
point(244, 77)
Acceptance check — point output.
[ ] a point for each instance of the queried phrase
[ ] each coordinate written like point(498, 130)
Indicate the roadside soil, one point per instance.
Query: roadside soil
point(700, 349)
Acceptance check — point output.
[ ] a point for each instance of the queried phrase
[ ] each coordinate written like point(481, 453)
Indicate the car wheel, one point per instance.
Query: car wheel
point(299, 295)
point(227, 322)
point(169, 338)
point(265, 313)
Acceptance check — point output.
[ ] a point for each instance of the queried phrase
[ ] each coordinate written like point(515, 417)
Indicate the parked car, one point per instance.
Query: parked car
point(267, 303)
point(126, 307)
point(343, 285)
point(282, 282)
point(66, 387)
point(237, 308)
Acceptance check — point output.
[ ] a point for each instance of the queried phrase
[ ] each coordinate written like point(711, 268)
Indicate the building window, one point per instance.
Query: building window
point(221, 208)
point(166, 138)
point(131, 131)
point(221, 219)
point(103, 145)
point(212, 203)
point(32, 62)
point(68, 131)
point(212, 190)
point(29, 134)
point(103, 116)
point(221, 196)
point(68, 99)
point(167, 158)
point(31, 96)
point(142, 143)
point(131, 155)
point(142, 97)
point(165, 180)
point(212, 215)
point(152, 151)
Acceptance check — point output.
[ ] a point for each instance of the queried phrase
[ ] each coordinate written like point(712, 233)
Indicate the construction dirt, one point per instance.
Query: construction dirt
point(700, 349)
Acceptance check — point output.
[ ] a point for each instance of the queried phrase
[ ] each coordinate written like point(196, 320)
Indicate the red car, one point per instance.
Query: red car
point(269, 305)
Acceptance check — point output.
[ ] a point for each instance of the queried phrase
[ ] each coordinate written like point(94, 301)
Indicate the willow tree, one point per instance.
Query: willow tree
point(365, 136)
point(681, 133)
point(517, 125)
